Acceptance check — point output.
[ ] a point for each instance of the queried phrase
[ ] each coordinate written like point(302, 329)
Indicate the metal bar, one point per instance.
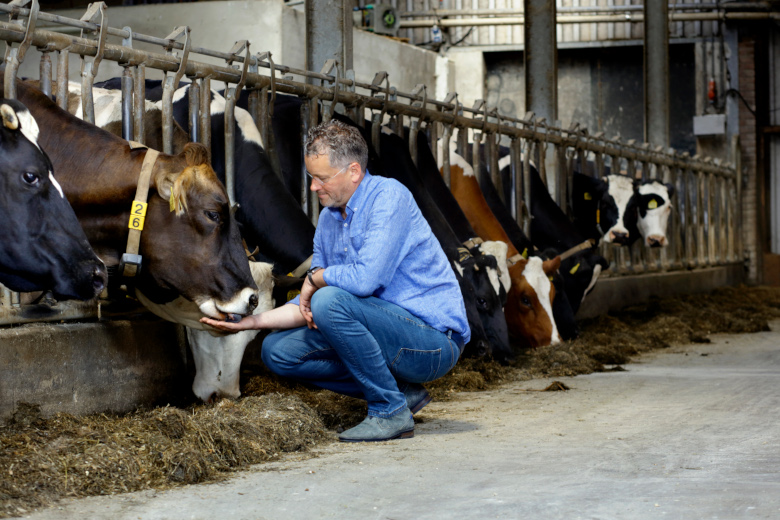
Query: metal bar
point(656, 72)
point(127, 104)
point(62, 78)
point(205, 112)
point(586, 19)
point(139, 101)
point(194, 110)
point(564, 9)
point(170, 64)
point(446, 167)
point(414, 129)
point(701, 246)
point(45, 73)
point(527, 187)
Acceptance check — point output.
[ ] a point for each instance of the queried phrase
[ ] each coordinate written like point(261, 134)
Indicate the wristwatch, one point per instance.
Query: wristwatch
point(309, 274)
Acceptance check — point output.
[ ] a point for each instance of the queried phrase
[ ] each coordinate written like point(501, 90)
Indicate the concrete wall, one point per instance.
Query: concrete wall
point(268, 25)
point(82, 368)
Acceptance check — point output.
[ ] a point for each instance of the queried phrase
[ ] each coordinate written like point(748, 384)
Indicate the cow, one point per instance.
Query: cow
point(563, 311)
point(43, 246)
point(218, 357)
point(529, 300)
point(652, 201)
point(190, 244)
point(620, 208)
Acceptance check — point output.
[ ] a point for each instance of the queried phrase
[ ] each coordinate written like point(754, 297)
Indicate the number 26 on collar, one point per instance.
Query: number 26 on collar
point(137, 215)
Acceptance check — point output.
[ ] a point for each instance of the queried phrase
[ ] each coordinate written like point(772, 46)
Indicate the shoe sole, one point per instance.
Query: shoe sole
point(422, 404)
point(403, 435)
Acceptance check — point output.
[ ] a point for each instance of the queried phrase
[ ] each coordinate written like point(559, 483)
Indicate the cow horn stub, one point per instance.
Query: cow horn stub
point(10, 120)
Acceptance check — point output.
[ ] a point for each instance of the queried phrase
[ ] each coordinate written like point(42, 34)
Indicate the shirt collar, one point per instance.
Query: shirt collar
point(357, 199)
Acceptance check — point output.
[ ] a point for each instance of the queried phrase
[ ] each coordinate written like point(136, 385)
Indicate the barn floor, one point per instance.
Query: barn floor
point(690, 432)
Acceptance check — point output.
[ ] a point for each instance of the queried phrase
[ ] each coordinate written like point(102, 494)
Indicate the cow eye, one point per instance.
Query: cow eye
point(31, 178)
point(482, 302)
point(212, 215)
point(525, 300)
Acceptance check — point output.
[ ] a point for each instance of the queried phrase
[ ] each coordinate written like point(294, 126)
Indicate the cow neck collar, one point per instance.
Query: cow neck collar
point(131, 260)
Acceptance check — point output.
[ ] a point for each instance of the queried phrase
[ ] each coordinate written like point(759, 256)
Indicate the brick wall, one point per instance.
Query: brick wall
point(747, 130)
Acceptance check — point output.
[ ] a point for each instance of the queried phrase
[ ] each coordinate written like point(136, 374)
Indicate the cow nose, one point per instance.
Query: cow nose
point(619, 236)
point(252, 302)
point(654, 241)
point(99, 279)
point(483, 348)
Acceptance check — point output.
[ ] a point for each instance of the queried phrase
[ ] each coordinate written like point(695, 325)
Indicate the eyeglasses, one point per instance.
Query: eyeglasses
point(321, 182)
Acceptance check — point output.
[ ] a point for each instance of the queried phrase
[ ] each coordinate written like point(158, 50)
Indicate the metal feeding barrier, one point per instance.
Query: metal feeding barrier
point(705, 226)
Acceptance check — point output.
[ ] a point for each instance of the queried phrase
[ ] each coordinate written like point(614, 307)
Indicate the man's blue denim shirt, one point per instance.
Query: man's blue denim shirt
point(385, 248)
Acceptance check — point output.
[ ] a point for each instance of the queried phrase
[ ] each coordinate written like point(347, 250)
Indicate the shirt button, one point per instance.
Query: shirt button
point(345, 224)
point(345, 249)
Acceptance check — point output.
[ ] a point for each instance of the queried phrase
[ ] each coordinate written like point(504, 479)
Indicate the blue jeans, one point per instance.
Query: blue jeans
point(364, 348)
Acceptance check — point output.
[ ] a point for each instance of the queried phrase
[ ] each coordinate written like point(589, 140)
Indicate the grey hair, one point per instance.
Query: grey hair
point(342, 142)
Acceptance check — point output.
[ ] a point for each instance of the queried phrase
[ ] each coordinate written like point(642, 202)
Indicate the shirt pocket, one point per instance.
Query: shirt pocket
point(356, 239)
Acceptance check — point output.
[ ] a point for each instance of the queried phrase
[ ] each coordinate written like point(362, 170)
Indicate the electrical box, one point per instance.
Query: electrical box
point(378, 18)
point(712, 124)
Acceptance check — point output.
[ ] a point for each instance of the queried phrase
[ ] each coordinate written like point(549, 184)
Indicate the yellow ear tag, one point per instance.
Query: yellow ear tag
point(290, 275)
point(574, 269)
point(551, 278)
point(172, 202)
point(653, 204)
point(525, 253)
point(588, 196)
point(598, 216)
point(292, 294)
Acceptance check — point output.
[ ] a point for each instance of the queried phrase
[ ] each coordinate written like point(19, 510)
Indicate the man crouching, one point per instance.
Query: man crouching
point(381, 310)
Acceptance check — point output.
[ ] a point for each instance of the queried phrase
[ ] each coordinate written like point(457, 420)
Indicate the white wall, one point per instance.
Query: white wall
point(268, 25)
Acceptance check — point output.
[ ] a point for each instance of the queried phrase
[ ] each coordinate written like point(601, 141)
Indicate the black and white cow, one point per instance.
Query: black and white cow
point(653, 204)
point(43, 246)
point(605, 208)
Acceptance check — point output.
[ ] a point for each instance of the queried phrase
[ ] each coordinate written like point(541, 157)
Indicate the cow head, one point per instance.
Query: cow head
point(43, 246)
point(529, 302)
point(617, 213)
point(481, 271)
point(218, 357)
point(194, 250)
point(479, 345)
point(654, 205)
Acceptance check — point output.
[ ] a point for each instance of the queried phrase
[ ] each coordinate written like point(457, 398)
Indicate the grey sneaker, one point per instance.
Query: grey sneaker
point(375, 429)
point(416, 397)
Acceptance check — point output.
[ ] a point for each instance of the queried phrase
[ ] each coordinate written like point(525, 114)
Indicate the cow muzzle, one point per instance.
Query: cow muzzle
point(233, 310)
point(656, 241)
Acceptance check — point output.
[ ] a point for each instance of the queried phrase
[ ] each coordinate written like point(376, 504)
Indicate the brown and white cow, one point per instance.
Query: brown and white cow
point(528, 309)
point(190, 243)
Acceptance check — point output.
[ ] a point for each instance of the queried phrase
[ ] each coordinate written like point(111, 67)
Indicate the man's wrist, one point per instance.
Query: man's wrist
point(310, 275)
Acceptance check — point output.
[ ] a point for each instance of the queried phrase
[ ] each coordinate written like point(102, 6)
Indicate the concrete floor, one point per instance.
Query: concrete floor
point(688, 433)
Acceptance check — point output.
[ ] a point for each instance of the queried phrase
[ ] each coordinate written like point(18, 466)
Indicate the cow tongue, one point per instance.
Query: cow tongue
point(233, 318)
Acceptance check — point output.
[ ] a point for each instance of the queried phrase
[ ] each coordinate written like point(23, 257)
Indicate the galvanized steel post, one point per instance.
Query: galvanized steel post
point(541, 73)
point(656, 72)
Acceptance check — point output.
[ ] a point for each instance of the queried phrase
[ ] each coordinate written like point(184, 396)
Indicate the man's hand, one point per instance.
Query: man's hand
point(246, 323)
point(307, 291)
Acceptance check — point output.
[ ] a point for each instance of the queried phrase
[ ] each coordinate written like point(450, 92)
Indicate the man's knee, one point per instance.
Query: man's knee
point(328, 299)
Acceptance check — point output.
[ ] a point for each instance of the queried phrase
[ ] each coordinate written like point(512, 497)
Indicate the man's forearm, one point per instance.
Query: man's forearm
point(285, 317)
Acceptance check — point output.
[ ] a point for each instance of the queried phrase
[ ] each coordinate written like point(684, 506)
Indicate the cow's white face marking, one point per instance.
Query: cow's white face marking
point(28, 126)
point(534, 274)
point(218, 359)
point(653, 224)
point(56, 185)
point(621, 189)
point(458, 267)
point(593, 280)
point(499, 250)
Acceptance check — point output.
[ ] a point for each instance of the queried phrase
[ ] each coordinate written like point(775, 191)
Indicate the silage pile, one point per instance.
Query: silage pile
point(42, 460)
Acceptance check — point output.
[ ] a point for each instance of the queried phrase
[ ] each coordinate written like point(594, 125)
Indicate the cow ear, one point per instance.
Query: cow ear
point(164, 182)
point(550, 266)
point(196, 154)
point(670, 189)
point(10, 120)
